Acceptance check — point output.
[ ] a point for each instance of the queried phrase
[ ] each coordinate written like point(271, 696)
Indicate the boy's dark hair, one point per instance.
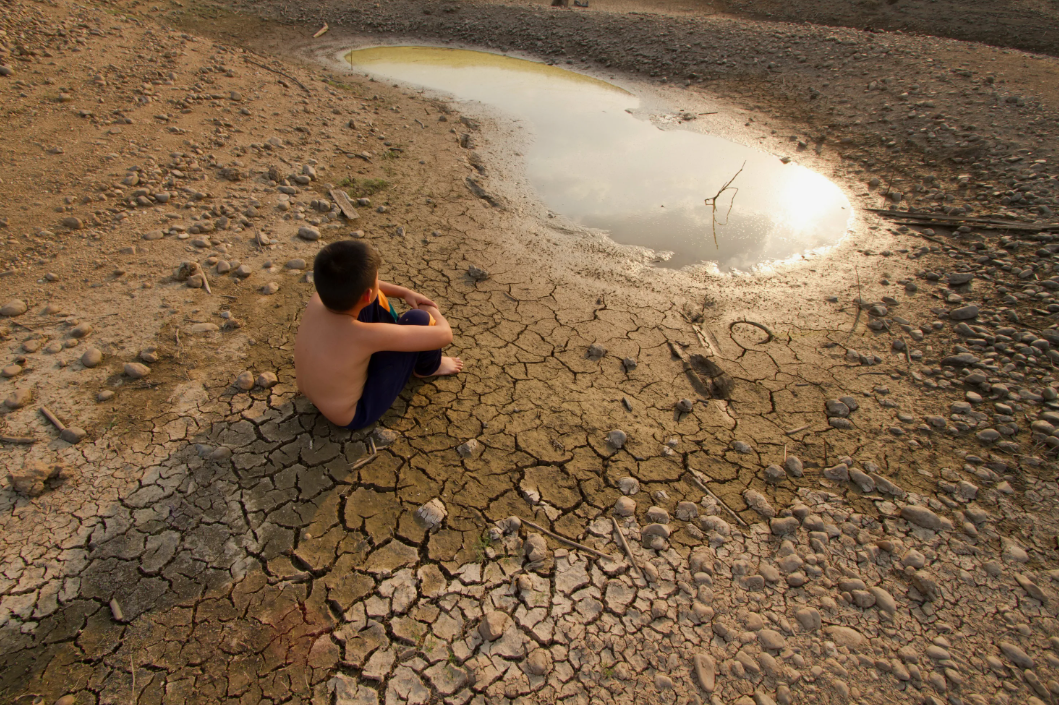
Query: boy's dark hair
point(343, 271)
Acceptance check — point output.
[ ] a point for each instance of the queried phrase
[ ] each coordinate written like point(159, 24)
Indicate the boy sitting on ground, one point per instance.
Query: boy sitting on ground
point(353, 354)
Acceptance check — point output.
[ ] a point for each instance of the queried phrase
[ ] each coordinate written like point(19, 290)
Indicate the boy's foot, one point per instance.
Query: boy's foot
point(448, 366)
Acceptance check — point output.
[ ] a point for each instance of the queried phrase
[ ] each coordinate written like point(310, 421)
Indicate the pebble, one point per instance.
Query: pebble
point(105, 395)
point(477, 274)
point(15, 307)
point(432, 513)
point(18, 398)
point(245, 380)
point(11, 371)
point(91, 357)
point(624, 507)
point(629, 485)
point(296, 264)
point(266, 380)
point(306, 232)
point(617, 438)
point(493, 625)
point(137, 370)
point(270, 288)
point(596, 351)
point(466, 450)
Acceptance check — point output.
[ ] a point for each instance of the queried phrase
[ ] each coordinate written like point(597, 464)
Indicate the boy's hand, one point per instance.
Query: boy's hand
point(416, 300)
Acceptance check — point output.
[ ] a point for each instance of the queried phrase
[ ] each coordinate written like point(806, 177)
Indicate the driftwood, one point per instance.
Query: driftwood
point(21, 440)
point(569, 542)
point(342, 199)
point(628, 550)
point(794, 431)
point(700, 482)
point(278, 72)
point(52, 418)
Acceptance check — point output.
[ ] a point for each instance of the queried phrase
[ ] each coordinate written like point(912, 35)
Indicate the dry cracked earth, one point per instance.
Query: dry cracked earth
point(867, 516)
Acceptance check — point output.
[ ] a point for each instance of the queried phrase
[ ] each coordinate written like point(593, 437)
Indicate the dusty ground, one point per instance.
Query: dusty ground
point(207, 544)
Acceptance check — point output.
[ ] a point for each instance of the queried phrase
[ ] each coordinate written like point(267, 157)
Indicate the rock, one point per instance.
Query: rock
point(959, 278)
point(136, 370)
point(838, 473)
point(30, 480)
point(771, 639)
point(11, 371)
point(629, 485)
point(466, 450)
point(654, 536)
point(105, 395)
point(663, 682)
point(432, 513)
point(219, 454)
point(73, 434)
point(616, 439)
point(786, 525)
point(539, 662)
point(266, 380)
point(657, 515)
point(1016, 655)
point(808, 618)
point(493, 625)
point(687, 511)
point(774, 474)
point(742, 448)
point(295, 264)
point(624, 507)
point(18, 398)
point(535, 548)
point(794, 466)
point(845, 636)
point(245, 380)
point(15, 307)
point(270, 288)
point(203, 328)
point(756, 501)
point(596, 351)
point(383, 436)
point(960, 360)
point(306, 232)
point(863, 482)
point(628, 363)
point(964, 313)
point(72, 223)
point(921, 516)
point(884, 600)
point(685, 406)
point(705, 671)
point(91, 357)
point(153, 235)
point(477, 274)
point(836, 408)
point(243, 271)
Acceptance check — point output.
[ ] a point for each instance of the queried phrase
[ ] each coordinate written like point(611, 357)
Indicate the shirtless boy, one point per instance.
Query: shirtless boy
point(353, 354)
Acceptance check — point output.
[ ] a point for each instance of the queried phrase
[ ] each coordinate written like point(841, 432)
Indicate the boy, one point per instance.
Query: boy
point(353, 355)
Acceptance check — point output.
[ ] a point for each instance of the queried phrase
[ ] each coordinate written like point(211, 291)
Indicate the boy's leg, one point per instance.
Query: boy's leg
point(388, 373)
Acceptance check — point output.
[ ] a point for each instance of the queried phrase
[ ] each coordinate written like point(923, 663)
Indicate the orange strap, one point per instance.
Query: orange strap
point(385, 303)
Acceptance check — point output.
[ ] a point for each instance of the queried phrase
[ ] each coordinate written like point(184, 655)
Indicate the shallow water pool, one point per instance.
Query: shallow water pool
point(597, 164)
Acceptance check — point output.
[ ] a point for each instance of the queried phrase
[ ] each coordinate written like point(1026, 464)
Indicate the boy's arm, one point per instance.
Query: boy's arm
point(412, 298)
point(386, 336)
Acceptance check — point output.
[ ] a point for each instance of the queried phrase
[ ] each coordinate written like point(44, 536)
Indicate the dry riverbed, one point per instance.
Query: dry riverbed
point(880, 523)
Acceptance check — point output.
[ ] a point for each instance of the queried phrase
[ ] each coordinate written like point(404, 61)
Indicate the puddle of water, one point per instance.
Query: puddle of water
point(602, 167)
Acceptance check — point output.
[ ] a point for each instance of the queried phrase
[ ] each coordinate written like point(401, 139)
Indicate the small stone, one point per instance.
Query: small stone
point(663, 682)
point(964, 313)
point(794, 466)
point(1016, 655)
point(685, 406)
point(705, 671)
point(245, 380)
point(921, 516)
point(596, 351)
point(657, 515)
point(11, 371)
point(774, 474)
point(91, 357)
point(616, 439)
point(836, 408)
point(466, 450)
point(756, 501)
point(687, 511)
point(493, 625)
point(308, 233)
point(137, 370)
point(73, 434)
point(771, 640)
point(539, 662)
point(18, 398)
point(808, 618)
point(295, 264)
point(535, 548)
point(383, 436)
point(270, 288)
point(783, 526)
point(624, 507)
point(220, 454)
point(153, 235)
point(30, 479)
point(629, 364)
point(477, 274)
point(432, 513)
point(15, 307)
point(845, 636)
point(266, 380)
point(105, 395)
point(629, 485)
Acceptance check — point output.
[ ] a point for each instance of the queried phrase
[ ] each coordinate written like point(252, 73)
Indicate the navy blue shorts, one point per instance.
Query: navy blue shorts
point(389, 371)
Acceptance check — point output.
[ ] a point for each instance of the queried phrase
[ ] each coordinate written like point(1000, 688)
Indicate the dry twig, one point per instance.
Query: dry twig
point(278, 72)
point(712, 203)
point(627, 548)
point(569, 542)
point(701, 484)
